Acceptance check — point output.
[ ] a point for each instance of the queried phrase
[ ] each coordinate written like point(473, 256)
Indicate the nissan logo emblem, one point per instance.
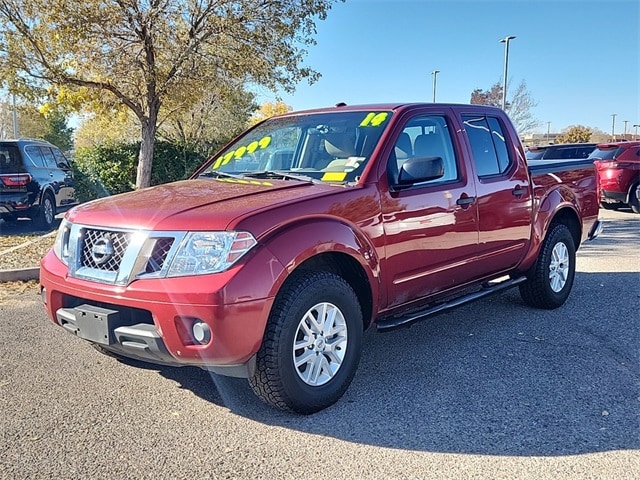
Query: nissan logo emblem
point(102, 250)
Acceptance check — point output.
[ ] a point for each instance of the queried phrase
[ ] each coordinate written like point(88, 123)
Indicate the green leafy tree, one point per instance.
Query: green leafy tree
point(519, 104)
point(155, 57)
point(115, 126)
point(109, 169)
point(58, 131)
point(575, 134)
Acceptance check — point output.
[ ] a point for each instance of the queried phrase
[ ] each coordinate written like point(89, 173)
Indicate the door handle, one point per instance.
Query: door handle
point(518, 191)
point(464, 201)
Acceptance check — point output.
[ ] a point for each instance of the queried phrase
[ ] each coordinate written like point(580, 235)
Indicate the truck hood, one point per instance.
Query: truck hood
point(202, 204)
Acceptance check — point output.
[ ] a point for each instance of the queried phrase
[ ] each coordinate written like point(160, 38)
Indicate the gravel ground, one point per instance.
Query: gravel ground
point(21, 248)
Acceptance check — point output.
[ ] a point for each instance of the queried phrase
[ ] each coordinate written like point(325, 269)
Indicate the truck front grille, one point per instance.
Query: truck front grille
point(119, 256)
point(103, 250)
point(159, 255)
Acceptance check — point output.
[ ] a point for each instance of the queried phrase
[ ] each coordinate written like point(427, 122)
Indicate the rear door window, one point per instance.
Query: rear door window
point(50, 160)
point(488, 145)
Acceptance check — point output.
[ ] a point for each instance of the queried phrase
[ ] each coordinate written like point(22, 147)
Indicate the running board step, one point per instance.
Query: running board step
point(392, 323)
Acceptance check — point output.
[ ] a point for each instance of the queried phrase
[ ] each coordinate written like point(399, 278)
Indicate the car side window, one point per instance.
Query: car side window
point(488, 145)
point(35, 155)
point(424, 136)
point(50, 160)
point(61, 160)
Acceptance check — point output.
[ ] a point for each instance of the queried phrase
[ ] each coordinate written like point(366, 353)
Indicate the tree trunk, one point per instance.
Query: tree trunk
point(145, 157)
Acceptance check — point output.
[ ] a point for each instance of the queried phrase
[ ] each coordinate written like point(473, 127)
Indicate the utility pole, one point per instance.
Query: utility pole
point(613, 127)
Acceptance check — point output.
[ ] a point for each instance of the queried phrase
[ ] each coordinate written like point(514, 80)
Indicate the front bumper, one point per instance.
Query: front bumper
point(152, 320)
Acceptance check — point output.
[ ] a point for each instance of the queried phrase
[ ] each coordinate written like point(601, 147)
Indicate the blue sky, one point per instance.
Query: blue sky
point(579, 58)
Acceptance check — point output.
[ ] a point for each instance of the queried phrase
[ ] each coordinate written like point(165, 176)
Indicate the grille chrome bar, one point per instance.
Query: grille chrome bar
point(120, 256)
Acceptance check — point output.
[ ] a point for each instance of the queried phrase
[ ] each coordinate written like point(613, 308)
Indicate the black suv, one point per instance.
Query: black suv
point(35, 181)
point(561, 151)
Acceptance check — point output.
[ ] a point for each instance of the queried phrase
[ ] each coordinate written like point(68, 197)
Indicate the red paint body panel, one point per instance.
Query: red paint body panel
point(618, 166)
point(408, 244)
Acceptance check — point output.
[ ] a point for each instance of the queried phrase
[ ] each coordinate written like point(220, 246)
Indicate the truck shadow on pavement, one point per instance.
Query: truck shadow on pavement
point(493, 378)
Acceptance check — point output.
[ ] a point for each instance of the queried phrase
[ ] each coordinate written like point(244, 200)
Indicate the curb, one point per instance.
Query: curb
point(20, 275)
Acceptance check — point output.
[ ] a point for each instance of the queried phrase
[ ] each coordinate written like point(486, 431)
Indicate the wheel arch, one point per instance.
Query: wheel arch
point(569, 217)
point(351, 271)
point(47, 190)
point(334, 247)
point(558, 207)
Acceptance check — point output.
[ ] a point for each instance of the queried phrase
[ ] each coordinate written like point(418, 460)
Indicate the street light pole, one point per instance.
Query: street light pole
point(635, 135)
point(435, 75)
point(548, 129)
point(15, 118)
point(613, 127)
point(505, 40)
point(625, 128)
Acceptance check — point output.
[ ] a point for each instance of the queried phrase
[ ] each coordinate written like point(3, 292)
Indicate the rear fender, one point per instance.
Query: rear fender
point(558, 204)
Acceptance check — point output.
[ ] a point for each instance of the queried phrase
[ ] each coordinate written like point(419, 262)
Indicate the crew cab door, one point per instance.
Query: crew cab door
point(504, 196)
point(430, 227)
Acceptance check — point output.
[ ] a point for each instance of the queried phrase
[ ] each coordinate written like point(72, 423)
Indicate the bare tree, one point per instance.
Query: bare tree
point(519, 104)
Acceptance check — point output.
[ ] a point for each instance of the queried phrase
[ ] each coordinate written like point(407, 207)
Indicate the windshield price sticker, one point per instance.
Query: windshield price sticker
point(237, 154)
point(374, 119)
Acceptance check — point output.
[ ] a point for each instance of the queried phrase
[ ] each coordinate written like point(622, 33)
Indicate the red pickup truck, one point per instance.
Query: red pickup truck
point(271, 261)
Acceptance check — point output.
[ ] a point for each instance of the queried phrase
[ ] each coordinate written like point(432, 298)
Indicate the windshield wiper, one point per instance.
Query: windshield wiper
point(219, 174)
point(280, 174)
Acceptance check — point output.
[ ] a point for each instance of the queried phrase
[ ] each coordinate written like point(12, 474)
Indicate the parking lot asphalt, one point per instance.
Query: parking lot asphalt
point(492, 390)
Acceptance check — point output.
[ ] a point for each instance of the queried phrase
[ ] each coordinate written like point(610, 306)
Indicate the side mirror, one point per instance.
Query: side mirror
point(420, 169)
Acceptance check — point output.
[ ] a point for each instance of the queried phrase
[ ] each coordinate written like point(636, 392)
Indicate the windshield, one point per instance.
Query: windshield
point(328, 147)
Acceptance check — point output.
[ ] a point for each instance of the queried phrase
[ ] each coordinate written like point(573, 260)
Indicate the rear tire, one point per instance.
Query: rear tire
point(47, 213)
point(551, 278)
point(634, 202)
point(312, 344)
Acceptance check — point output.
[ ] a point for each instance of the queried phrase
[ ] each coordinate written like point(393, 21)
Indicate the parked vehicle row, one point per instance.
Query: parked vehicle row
point(617, 164)
point(560, 151)
point(36, 181)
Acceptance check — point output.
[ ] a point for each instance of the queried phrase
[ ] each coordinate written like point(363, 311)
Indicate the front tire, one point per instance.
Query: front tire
point(551, 278)
point(312, 344)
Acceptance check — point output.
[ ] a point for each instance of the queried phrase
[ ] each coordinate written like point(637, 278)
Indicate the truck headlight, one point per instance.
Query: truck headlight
point(201, 253)
point(61, 244)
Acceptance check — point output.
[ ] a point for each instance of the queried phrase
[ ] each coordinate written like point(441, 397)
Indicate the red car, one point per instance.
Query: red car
point(618, 166)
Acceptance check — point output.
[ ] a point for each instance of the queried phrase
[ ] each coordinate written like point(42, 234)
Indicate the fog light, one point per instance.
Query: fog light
point(201, 332)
